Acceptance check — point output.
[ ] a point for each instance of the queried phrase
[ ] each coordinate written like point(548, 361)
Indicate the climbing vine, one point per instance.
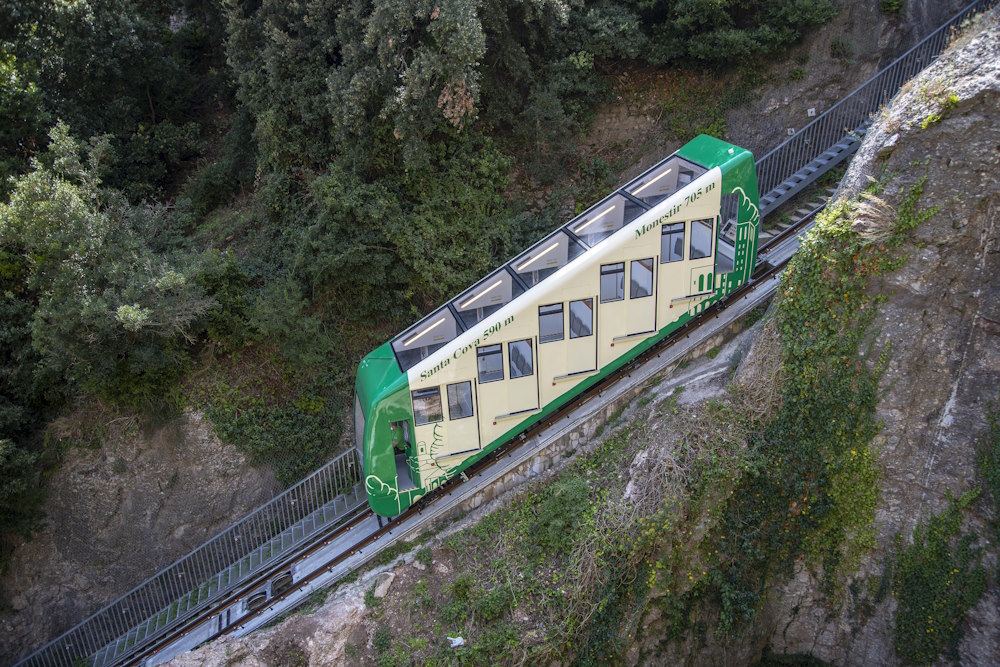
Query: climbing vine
point(936, 580)
point(812, 494)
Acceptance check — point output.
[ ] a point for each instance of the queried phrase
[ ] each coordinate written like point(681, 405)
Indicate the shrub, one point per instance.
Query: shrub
point(19, 494)
point(370, 600)
point(493, 604)
point(989, 466)
point(891, 6)
point(463, 587)
point(558, 514)
point(382, 640)
point(424, 556)
point(841, 48)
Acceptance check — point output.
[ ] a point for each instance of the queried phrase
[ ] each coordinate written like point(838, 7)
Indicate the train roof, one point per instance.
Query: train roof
point(557, 249)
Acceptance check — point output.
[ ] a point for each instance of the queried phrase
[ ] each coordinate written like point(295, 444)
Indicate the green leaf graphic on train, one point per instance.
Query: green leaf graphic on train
point(748, 209)
point(376, 487)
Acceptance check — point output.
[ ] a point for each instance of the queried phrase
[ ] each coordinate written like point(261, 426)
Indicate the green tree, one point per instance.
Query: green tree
point(23, 116)
point(421, 237)
point(111, 315)
point(147, 73)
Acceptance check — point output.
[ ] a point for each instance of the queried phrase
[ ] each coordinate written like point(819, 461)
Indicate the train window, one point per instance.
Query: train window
point(581, 318)
point(672, 243)
point(550, 323)
point(663, 180)
point(612, 282)
point(701, 238)
point(546, 257)
point(520, 358)
point(641, 283)
point(486, 297)
point(427, 406)
point(460, 400)
point(604, 219)
point(490, 363)
point(424, 338)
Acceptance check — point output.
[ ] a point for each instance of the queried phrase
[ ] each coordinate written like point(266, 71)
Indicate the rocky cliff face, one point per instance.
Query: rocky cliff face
point(941, 324)
point(108, 513)
point(828, 65)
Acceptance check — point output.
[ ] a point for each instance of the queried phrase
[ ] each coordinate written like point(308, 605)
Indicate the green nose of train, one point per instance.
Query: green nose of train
point(556, 319)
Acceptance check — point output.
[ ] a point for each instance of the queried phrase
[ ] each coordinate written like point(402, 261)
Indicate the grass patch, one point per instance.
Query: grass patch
point(842, 49)
point(288, 419)
point(371, 600)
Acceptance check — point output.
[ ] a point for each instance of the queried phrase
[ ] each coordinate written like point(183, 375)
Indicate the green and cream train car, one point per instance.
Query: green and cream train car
point(552, 322)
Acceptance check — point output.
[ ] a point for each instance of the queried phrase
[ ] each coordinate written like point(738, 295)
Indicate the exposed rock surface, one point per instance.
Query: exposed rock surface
point(317, 639)
point(107, 515)
point(634, 128)
point(941, 323)
point(835, 60)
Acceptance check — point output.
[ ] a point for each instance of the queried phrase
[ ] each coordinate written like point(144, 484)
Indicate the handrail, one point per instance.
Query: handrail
point(854, 110)
point(211, 570)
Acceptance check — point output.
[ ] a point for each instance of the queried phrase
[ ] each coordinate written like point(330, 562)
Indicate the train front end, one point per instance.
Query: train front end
point(383, 422)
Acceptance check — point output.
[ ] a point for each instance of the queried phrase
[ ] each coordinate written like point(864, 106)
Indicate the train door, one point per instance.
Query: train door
point(522, 380)
point(612, 327)
point(491, 390)
point(581, 348)
point(551, 350)
point(702, 262)
point(641, 308)
point(673, 275)
point(566, 357)
point(440, 434)
point(507, 385)
point(463, 427)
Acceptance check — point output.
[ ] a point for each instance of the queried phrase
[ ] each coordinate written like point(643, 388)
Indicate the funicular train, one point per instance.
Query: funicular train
point(546, 326)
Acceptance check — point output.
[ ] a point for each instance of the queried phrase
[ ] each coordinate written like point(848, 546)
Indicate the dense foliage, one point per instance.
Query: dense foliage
point(261, 188)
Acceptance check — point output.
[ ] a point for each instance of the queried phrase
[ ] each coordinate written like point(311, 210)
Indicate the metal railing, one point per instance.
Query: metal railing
point(855, 110)
point(215, 568)
point(322, 499)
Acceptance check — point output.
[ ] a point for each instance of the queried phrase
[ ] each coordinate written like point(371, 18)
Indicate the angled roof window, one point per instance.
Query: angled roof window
point(604, 219)
point(425, 337)
point(663, 180)
point(546, 257)
point(486, 297)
